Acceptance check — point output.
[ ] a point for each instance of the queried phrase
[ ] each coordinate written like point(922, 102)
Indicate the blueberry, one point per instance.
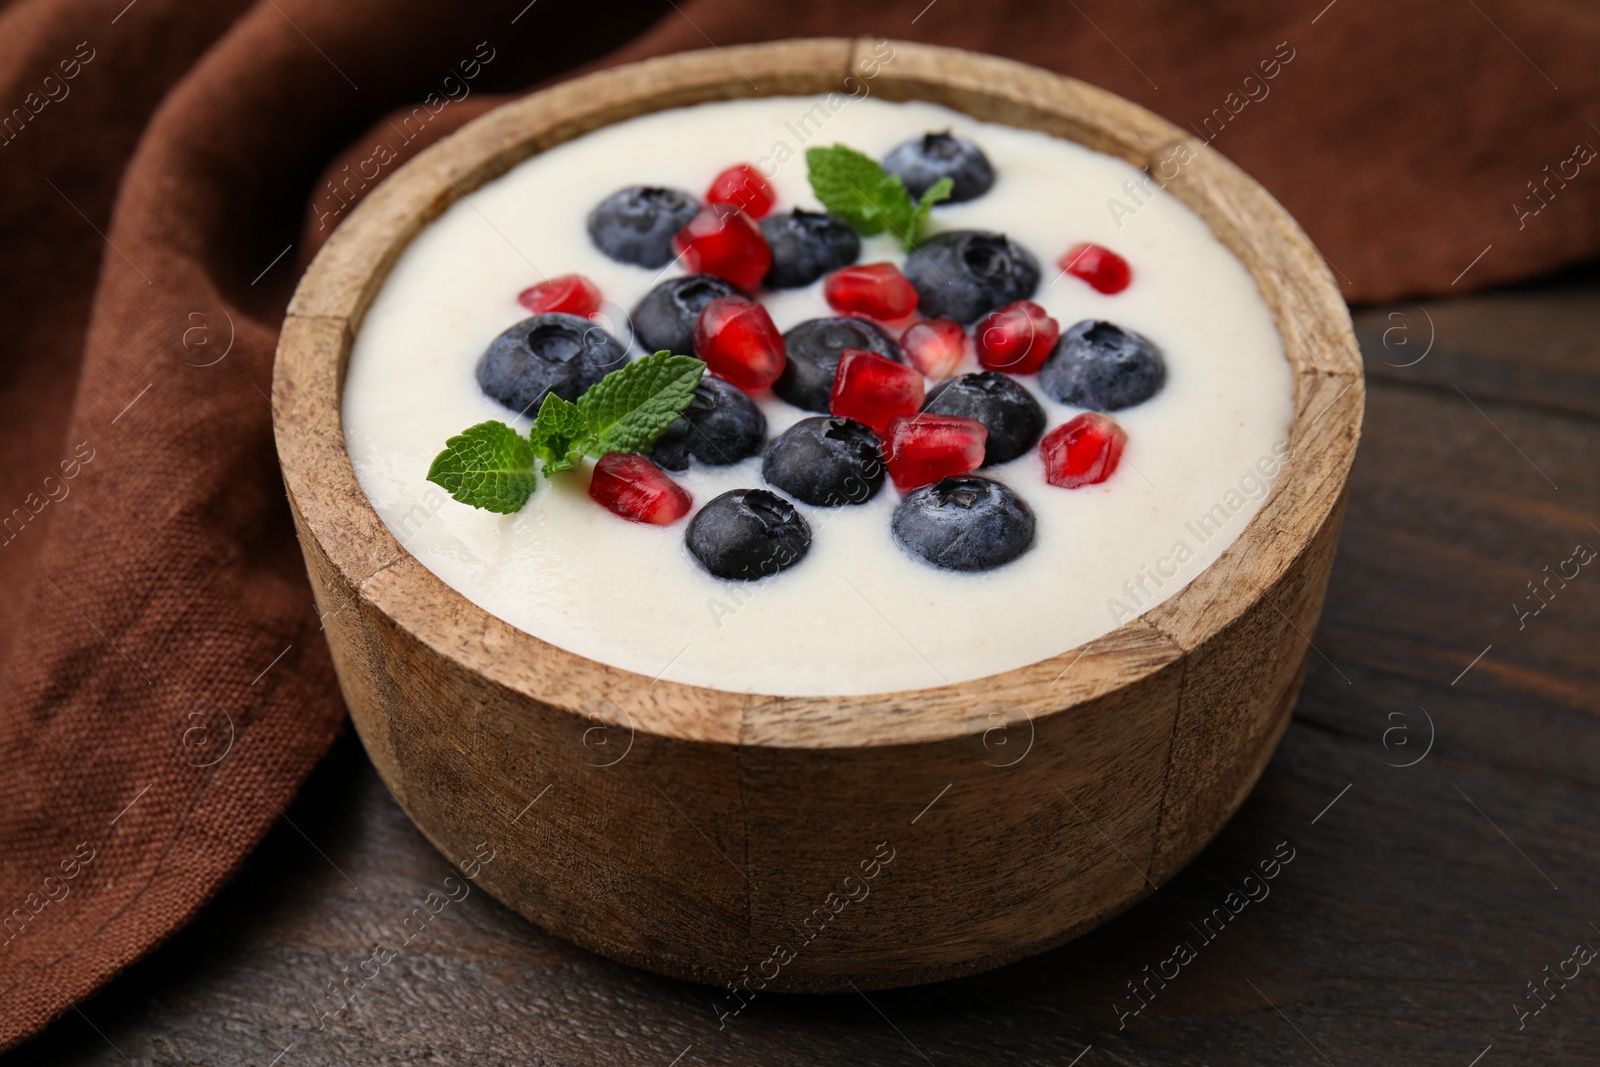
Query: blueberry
point(665, 318)
point(1103, 367)
point(721, 425)
point(746, 534)
point(636, 224)
point(826, 462)
point(806, 245)
point(964, 524)
point(813, 349)
point(965, 274)
point(923, 160)
point(1013, 417)
point(553, 353)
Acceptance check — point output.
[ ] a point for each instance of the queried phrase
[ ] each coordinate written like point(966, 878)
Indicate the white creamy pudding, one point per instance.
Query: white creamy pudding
point(859, 613)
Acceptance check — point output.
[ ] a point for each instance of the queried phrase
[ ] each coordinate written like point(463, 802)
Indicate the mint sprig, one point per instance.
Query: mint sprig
point(857, 189)
point(490, 465)
point(559, 434)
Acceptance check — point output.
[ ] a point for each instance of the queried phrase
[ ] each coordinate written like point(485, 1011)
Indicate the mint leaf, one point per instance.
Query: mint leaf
point(629, 408)
point(856, 188)
point(559, 434)
point(939, 190)
point(489, 466)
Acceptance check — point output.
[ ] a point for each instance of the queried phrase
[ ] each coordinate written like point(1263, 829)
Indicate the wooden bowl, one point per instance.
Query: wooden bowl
point(807, 843)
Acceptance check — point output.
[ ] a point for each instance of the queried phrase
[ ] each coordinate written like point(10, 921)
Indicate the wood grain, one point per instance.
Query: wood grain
point(710, 835)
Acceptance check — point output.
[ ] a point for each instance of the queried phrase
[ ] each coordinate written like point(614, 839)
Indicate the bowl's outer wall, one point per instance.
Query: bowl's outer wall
point(806, 844)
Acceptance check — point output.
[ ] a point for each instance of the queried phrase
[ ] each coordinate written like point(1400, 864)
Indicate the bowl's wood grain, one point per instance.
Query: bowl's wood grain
point(690, 830)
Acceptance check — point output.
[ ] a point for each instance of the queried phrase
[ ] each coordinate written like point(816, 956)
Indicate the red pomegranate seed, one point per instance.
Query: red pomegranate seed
point(936, 347)
point(1017, 338)
point(570, 293)
point(1100, 267)
point(1082, 451)
point(744, 187)
point(877, 290)
point(920, 449)
point(872, 389)
point(631, 486)
point(736, 338)
point(722, 240)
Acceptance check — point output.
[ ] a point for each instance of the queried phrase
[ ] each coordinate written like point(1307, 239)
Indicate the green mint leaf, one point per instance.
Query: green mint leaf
point(489, 466)
point(855, 188)
point(939, 190)
point(559, 434)
point(629, 408)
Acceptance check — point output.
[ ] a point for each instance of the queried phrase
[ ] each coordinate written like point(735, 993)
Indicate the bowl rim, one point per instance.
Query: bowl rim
point(337, 521)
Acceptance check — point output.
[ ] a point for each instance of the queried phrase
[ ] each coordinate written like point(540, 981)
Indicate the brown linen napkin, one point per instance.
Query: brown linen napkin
point(166, 170)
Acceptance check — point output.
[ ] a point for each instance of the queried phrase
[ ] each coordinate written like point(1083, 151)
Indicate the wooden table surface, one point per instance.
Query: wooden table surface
point(1439, 788)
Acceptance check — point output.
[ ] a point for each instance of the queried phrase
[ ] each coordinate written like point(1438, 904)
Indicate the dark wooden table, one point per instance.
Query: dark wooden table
point(1440, 788)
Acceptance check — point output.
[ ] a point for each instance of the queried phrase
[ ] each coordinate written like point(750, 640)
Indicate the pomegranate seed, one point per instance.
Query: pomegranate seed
point(745, 188)
point(572, 294)
point(736, 338)
point(936, 347)
point(722, 240)
point(877, 290)
point(920, 449)
point(1017, 338)
point(872, 389)
point(1100, 267)
point(629, 485)
point(1082, 451)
